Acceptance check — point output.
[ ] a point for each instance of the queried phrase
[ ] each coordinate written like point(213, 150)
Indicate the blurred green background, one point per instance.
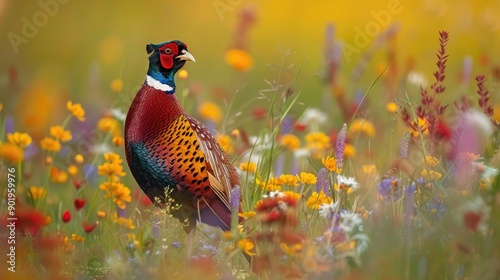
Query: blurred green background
point(84, 45)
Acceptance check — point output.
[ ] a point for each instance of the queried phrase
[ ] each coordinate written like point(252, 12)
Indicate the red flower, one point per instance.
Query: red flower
point(29, 221)
point(89, 227)
point(77, 184)
point(79, 203)
point(472, 220)
point(259, 113)
point(66, 216)
point(300, 127)
point(443, 131)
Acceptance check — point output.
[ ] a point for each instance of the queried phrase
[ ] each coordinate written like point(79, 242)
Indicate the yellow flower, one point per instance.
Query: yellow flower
point(11, 153)
point(495, 117)
point(118, 141)
point(116, 85)
point(67, 246)
point(430, 175)
point(369, 169)
point(127, 223)
point(77, 238)
point(76, 110)
point(59, 133)
point(50, 144)
point(431, 161)
point(293, 250)
point(108, 124)
point(291, 195)
point(317, 199)
point(249, 167)
point(183, 74)
point(20, 139)
point(272, 185)
point(422, 126)
point(247, 215)
point(37, 192)
point(235, 133)
point(101, 214)
point(289, 180)
point(79, 159)
point(362, 126)
point(57, 175)
point(72, 170)
point(349, 151)
point(240, 60)
point(210, 111)
point(112, 166)
point(227, 235)
point(330, 163)
point(225, 142)
point(119, 192)
point(317, 143)
point(307, 178)
point(246, 246)
point(290, 142)
point(1, 107)
point(346, 246)
point(392, 107)
point(113, 158)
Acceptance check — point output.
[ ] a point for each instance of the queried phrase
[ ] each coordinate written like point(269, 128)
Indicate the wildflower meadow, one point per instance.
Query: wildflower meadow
point(368, 166)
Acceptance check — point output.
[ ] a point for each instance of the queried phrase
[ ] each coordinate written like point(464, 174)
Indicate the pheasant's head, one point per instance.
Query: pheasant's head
point(165, 60)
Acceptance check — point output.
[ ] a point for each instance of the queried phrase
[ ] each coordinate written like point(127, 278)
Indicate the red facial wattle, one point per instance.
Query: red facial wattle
point(167, 59)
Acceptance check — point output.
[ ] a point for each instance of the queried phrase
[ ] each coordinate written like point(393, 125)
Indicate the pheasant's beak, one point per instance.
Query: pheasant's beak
point(186, 56)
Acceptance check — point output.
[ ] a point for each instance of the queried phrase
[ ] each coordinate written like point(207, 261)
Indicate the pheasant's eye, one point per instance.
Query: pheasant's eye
point(168, 51)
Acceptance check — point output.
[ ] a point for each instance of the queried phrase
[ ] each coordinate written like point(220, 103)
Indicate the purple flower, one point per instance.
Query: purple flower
point(176, 244)
point(322, 182)
point(340, 146)
point(391, 188)
point(235, 197)
point(404, 144)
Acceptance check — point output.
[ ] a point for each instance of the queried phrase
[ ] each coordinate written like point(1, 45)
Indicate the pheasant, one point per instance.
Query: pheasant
point(172, 156)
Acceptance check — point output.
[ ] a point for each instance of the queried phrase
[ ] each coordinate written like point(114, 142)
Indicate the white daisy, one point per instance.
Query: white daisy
point(326, 209)
point(274, 194)
point(350, 221)
point(348, 182)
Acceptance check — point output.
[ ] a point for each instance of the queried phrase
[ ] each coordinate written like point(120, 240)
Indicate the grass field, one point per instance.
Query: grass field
point(366, 139)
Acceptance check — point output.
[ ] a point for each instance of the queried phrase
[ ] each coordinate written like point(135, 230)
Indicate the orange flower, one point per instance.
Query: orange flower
point(57, 175)
point(246, 246)
point(225, 142)
point(118, 141)
point(249, 167)
point(11, 153)
point(289, 180)
point(330, 163)
point(108, 124)
point(50, 144)
point(20, 139)
point(307, 178)
point(290, 142)
point(37, 192)
point(76, 110)
point(59, 133)
point(239, 60)
point(116, 85)
point(317, 199)
point(210, 111)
